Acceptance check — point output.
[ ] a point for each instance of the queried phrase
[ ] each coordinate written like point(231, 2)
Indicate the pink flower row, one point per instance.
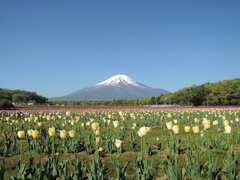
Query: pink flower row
point(116, 110)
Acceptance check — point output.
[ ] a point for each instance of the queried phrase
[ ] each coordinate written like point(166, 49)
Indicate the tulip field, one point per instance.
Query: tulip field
point(144, 144)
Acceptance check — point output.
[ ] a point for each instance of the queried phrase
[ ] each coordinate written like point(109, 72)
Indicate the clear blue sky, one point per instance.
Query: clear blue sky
point(56, 47)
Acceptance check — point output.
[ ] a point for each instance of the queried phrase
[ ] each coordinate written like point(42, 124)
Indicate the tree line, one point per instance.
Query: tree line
point(115, 102)
point(222, 93)
point(7, 97)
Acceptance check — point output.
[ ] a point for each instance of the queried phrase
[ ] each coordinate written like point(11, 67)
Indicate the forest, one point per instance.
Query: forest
point(222, 93)
point(7, 97)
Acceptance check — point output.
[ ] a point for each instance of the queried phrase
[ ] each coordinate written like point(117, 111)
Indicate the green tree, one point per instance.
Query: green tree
point(152, 100)
point(226, 92)
point(20, 98)
point(5, 104)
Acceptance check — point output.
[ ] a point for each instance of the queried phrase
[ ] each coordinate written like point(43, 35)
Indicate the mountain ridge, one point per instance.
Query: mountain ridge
point(118, 87)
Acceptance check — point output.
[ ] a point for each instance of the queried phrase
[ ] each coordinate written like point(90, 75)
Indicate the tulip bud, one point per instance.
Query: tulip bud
point(206, 123)
point(195, 129)
point(115, 124)
point(39, 124)
point(35, 134)
point(225, 122)
point(63, 134)
point(72, 133)
point(51, 131)
point(118, 143)
point(175, 129)
point(228, 129)
point(142, 131)
point(169, 115)
point(187, 129)
point(29, 132)
point(21, 134)
point(97, 139)
point(95, 126)
point(169, 125)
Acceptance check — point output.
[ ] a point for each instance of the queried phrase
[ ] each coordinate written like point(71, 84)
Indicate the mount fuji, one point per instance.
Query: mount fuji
point(118, 87)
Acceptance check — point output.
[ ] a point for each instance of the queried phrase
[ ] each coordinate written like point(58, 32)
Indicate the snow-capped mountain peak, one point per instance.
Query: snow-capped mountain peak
point(116, 87)
point(118, 81)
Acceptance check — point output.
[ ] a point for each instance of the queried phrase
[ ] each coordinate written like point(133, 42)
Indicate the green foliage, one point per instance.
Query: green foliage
point(143, 168)
point(172, 169)
point(230, 166)
point(2, 169)
point(96, 171)
point(5, 104)
point(20, 96)
point(120, 170)
point(238, 138)
point(225, 92)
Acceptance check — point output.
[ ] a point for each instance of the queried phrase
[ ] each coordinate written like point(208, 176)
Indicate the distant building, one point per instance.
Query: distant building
point(31, 102)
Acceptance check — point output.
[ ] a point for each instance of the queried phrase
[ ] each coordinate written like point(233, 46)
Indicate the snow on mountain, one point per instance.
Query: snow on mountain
point(119, 81)
point(116, 87)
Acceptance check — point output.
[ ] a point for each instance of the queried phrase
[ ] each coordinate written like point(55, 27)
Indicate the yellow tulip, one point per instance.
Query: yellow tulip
point(72, 133)
point(97, 139)
point(95, 126)
point(21, 134)
point(195, 129)
point(120, 113)
point(169, 125)
point(35, 134)
point(134, 125)
point(118, 143)
point(51, 131)
point(29, 132)
point(39, 124)
point(187, 129)
point(63, 134)
point(175, 129)
point(206, 124)
point(225, 122)
point(169, 115)
point(228, 129)
point(115, 124)
point(142, 131)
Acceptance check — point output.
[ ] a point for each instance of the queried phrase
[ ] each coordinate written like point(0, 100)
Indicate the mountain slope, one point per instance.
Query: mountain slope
point(116, 87)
